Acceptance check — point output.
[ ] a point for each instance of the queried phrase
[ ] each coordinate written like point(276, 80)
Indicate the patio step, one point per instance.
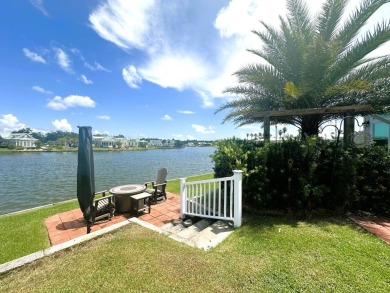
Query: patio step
point(194, 229)
point(173, 228)
point(204, 234)
point(212, 235)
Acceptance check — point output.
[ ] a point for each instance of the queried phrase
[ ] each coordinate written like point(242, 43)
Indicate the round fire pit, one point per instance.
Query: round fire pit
point(122, 196)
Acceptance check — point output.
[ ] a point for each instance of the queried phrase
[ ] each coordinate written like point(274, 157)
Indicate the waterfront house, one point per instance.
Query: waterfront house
point(133, 142)
point(24, 140)
point(109, 141)
point(161, 143)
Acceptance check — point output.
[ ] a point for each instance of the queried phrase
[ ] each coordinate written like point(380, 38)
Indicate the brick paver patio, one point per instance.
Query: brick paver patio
point(378, 226)
point(69, 225)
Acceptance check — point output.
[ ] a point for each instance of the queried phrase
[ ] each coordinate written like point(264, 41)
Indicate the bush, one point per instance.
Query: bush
point(309, 174)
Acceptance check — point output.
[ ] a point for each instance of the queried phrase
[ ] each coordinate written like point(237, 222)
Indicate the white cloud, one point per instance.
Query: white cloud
point(177, 136)
point(181, 136)
point(41, 90)
point(96, 67)
point(176, 70)
point(97, 132)
point(104, 117)
point(124, 23)
point(203, 129)
point(33, 56)
point(183, 54)
point(63, 60)
point(131, 76)
point(62, 125)
point(85, 79)
point(38, 4)
point(166, 117)
point(9, 123)
point(59, 103)
point(185, 112)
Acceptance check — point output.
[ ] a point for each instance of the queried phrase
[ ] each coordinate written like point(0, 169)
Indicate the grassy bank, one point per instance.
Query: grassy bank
point(24, 233)
point(266, 254)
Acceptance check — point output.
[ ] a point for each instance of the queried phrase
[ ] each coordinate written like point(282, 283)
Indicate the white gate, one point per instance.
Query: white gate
point(219, 198)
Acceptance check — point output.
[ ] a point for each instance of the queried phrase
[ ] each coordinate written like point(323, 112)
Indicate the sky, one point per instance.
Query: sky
point(140, 68)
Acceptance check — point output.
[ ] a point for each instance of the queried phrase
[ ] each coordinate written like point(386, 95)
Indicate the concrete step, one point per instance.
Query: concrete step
point(212, 235)
point(194, 229)
point(204, 234)
point(173, 228)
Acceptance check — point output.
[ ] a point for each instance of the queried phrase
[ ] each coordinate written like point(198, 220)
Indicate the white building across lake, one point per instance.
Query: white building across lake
point(21, 140)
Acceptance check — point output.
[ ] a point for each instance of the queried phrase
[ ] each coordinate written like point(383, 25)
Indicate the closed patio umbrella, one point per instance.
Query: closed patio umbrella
point(85, 174)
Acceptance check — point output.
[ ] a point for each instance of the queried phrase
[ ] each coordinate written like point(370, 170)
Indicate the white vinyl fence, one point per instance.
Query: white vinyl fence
point(219, 198)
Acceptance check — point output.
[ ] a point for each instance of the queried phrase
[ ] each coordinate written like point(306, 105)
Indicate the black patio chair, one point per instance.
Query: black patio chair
point(103, 207)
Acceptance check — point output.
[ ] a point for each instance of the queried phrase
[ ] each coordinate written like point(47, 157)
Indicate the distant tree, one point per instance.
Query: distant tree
point(39, 136)
point(38, 144)
point(23, 130)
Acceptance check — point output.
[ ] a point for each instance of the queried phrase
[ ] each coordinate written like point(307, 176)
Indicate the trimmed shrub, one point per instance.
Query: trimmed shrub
point(302, 175)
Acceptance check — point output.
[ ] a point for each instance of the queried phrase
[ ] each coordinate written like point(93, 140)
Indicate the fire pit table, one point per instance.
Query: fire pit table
point(122, 196)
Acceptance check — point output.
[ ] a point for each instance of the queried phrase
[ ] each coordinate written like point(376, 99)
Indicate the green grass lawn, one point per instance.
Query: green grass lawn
point(267, 254)
point(25, 233)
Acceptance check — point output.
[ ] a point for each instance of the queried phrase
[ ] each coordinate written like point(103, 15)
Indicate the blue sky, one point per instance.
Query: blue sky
point(141, 68)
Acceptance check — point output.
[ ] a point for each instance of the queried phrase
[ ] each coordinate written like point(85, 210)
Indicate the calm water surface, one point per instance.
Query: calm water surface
point(37, 178)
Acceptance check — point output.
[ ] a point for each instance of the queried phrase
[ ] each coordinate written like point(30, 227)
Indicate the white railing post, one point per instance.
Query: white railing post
point(237, 177)
point(183, 197)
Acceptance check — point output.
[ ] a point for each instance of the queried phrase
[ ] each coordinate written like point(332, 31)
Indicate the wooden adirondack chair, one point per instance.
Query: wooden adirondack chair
point(158, 187)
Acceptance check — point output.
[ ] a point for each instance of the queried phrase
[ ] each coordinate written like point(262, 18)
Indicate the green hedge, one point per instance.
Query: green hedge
point(310, 174)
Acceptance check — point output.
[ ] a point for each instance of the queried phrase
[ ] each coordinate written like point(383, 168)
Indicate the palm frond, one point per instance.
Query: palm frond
point(371, 70)
point(329, 18)
point(354, 56)
point(299, 17)
point(356, 21)
point(272, 43)
point(260, 75)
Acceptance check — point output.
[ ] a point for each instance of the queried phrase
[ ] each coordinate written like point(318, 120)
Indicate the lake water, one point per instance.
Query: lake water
point(30, 179)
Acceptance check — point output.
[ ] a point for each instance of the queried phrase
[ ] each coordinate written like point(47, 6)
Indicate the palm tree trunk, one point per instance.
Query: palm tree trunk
point(310, 125)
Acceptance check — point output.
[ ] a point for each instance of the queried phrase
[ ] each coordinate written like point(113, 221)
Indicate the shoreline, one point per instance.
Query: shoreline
point(97, 149)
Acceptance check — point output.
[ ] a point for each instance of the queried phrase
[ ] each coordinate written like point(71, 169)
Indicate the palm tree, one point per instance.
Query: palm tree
point(314, 63)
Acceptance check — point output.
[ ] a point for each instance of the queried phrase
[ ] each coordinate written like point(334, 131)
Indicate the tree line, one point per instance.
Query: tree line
point(70, 139)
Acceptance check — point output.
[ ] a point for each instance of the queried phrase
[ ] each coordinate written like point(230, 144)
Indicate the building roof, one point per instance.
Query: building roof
point(20, 136)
